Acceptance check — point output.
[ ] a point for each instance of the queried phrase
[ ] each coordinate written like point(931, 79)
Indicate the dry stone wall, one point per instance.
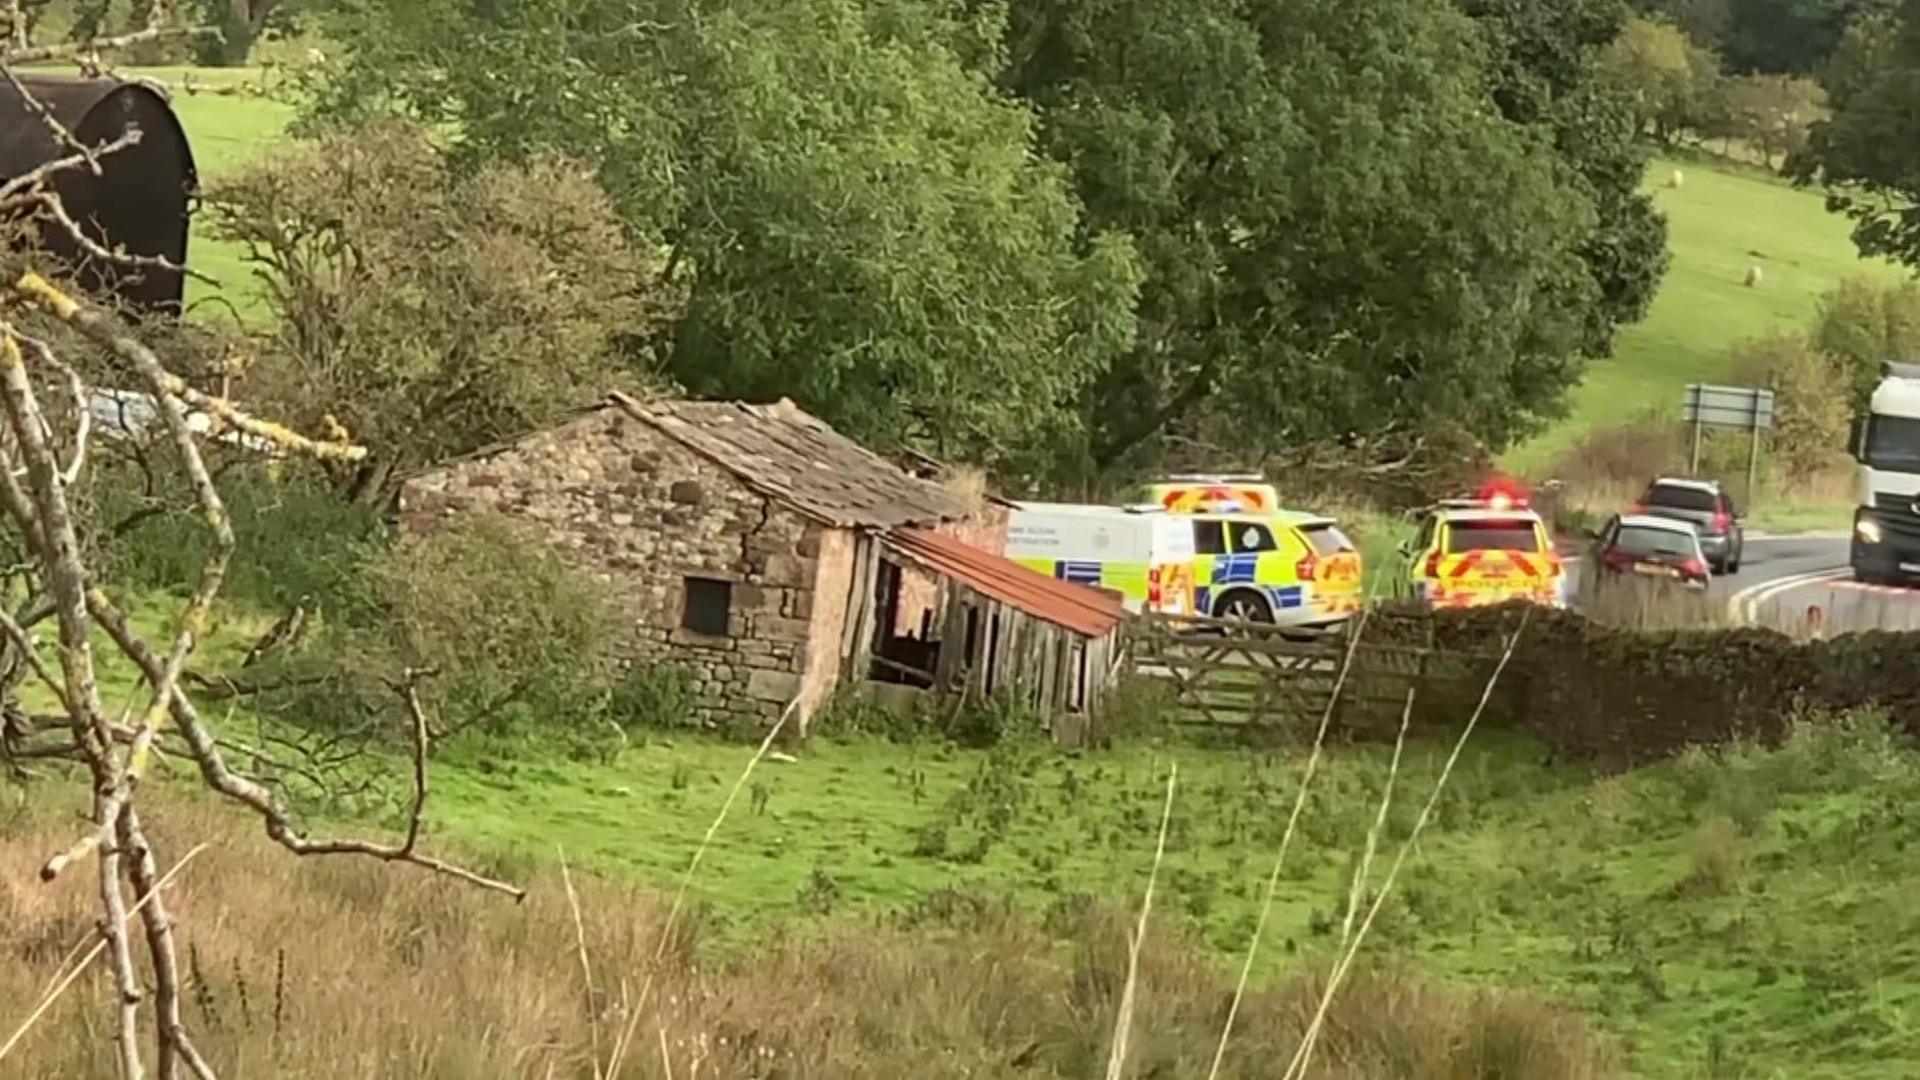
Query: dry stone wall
point(1621, 698)
point(642, 514)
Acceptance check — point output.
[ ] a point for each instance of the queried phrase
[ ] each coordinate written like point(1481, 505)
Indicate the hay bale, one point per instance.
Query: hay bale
point(1753, 276)
point(1676, 180)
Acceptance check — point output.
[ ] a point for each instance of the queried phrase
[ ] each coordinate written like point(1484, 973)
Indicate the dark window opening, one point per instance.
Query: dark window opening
point(1491, 536)
point(1327, 540)
point(708, 604)
point(1893, 444)
point(1682, 497)
point(1209, 538)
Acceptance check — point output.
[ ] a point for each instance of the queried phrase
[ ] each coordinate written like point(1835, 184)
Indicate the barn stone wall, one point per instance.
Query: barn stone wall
point(642, 514)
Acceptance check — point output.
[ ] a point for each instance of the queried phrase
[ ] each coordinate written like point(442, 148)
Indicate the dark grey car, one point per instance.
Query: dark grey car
point(1706, 506)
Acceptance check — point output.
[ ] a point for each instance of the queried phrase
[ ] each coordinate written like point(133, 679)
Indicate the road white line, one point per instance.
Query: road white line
point(1744, 605)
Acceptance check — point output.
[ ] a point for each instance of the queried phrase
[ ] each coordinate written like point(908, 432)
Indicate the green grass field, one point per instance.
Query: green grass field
point(1720, 222)
point(1745, 915)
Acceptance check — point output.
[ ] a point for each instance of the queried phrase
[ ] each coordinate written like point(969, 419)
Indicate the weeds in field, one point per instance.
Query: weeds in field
point(1716, 858)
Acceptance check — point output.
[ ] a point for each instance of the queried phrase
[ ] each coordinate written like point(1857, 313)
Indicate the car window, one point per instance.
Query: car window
point(1491, 535)
point(1327, 540)
point(1680, 497)
point(1247, 538)
point(1425, 540)
point(1642, 540)
point(1209, 538)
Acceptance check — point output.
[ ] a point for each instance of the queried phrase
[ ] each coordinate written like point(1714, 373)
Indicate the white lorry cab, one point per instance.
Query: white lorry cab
point(1886, 443)
point(1143, 555)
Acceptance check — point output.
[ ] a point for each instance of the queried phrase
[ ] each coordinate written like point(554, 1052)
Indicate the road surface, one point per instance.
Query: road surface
point(1783, 576)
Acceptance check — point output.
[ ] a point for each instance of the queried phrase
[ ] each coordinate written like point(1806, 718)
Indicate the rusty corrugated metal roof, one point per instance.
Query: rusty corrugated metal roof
point(792, 457)
point(1085, 611)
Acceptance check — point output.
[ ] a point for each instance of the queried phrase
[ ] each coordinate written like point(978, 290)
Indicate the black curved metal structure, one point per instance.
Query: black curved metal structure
point(142, 199)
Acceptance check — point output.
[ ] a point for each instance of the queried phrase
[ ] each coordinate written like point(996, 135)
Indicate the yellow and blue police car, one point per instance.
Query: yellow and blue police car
point(1257, 562)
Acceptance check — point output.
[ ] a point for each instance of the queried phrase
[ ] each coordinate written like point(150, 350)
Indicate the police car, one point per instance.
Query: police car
point(1489, 549)
point(1255, 561)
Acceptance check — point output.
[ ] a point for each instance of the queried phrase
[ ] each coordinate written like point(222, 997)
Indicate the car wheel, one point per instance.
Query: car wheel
point(1244, 606)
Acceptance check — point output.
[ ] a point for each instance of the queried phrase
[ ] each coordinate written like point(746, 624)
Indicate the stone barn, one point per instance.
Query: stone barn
point(745, 544)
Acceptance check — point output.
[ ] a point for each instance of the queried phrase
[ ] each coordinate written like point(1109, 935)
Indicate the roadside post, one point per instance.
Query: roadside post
point(1730, 408)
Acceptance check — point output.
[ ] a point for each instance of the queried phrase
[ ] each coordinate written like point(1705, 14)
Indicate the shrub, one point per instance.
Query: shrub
point(859, 712)
point(429, 307)
point(1848, 752)
point(652, 696)
point(1810, 421)
point(1863, 322)
point(297, 540)
point(512, 633)
point(1610, 465)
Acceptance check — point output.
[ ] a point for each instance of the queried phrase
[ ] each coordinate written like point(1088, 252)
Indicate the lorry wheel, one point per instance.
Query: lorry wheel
point(1244, 606)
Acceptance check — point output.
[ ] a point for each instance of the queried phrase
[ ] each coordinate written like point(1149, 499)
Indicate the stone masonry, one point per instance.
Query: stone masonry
point(643, 513)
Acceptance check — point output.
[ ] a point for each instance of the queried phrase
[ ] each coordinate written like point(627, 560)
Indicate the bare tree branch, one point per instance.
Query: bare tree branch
point(39, 109)
point(37, 53)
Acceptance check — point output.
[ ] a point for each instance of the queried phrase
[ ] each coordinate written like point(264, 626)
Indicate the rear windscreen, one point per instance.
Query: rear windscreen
point(1327, 540)
point(1635, 540)
point(1491, 536)
point(1680, 498)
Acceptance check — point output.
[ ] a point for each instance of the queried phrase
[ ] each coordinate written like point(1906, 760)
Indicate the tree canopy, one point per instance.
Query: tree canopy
point(1774, 37)
point(859, 220)
point(1346, 243)
point(1867, 153)
point(1069, 238)
point(429, 312)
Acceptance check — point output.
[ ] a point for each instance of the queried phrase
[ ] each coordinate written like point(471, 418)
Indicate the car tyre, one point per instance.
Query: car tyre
point(1244, 605)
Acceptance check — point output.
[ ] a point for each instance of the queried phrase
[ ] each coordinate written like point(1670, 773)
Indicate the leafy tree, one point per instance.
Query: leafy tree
point(1867, 153)
point(242, 24)
point(1665, 74)
point(1810, 426)
point(1345, 245)
point(1545, 74)
point(1862, 324)
point(857, 217)
point(432, 313)
point(1768, 36)
point(1773, 112)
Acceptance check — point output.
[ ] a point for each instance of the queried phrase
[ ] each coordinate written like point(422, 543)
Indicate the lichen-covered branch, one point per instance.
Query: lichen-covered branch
point(45, 417)
point(39, 53)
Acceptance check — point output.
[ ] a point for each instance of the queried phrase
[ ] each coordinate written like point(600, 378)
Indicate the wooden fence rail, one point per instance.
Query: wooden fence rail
point(1242, 674)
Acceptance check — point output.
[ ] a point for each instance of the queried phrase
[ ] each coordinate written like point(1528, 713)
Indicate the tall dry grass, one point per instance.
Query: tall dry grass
point(342, 968)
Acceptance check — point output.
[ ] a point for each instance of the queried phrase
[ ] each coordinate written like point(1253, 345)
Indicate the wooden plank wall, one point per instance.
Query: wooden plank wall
point(1055, 669)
